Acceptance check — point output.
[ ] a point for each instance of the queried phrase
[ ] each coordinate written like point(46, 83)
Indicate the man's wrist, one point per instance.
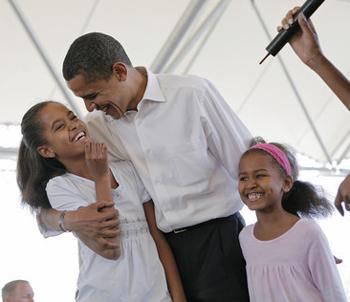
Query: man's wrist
point(62, 223)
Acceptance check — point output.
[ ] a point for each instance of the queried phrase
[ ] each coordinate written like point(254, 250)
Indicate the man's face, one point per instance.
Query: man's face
point(23, 293)
point(112, 96)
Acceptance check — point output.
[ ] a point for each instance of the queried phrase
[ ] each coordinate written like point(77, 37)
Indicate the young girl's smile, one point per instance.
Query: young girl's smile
point(65, 134)
point(261, 183)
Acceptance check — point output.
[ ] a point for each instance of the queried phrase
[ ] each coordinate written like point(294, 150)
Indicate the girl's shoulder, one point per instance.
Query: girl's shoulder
point(309, 226)
point(68, 182)
point(247, 231)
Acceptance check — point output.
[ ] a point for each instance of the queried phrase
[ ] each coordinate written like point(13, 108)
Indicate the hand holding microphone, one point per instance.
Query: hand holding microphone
point(307, 9)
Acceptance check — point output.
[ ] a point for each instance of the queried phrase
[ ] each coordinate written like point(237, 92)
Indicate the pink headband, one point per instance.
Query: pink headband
point(277, 154)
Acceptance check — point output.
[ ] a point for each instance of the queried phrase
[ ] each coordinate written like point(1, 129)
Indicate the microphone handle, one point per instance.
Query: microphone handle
point(308, 8)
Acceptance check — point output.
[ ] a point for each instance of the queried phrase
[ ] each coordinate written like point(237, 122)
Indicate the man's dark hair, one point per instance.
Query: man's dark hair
point(93, 56)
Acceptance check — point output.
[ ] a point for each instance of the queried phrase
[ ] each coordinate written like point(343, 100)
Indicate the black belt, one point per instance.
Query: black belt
point(199, 225)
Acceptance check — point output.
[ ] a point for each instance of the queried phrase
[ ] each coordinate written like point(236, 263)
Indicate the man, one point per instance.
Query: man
point(185, 142)
point(306, 46)
point(17, 291)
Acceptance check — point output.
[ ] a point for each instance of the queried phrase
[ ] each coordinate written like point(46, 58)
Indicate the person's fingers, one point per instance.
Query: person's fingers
point(104, 150)
point(87, 149)
point(285, 23)
point(337, 260)
point(289, 18)
point(304, 25)
point(347, 205)
point(110, 223)
point(112, 244)
point(295, 10)
point(109, 209)
point(109, 233)
point(103, 204)
point(108, 243)
point(338, 203)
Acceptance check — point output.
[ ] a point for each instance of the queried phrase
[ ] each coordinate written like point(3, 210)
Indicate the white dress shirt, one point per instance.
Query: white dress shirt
point(185, 142)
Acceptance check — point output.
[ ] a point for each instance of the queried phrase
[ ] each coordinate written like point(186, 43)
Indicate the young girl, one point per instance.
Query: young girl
point(57, 155)
point(288, 257)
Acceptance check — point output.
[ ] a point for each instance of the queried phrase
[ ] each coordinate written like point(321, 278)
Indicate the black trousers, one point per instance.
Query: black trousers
point(210, 260)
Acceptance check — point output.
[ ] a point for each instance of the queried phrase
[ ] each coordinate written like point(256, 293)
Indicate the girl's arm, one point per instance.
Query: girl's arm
point(165, 255)
point(96, 159)
point(322, 266)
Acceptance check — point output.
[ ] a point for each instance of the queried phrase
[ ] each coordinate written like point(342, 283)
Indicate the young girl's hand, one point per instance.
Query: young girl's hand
point(96, 159)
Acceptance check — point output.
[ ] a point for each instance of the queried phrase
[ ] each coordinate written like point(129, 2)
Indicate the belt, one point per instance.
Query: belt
point(199, 225)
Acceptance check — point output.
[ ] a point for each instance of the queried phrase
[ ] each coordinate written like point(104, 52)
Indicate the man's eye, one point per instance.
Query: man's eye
point(91, 97)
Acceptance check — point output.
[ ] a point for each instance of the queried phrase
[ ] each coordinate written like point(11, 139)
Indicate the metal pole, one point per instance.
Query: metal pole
point(210, 20)
point(184, 23)
point(200, 47)
point(41, 52)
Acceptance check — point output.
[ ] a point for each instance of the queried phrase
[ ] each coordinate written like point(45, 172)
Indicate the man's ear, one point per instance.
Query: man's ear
point(120, 71)
point(46, 151)
point(287, 184)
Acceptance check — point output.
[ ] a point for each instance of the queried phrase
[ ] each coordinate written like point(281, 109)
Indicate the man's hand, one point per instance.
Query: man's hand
point(98, 222)
point(343, 196)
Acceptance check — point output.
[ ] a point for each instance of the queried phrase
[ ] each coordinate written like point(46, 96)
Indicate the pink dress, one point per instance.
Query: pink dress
point(298, 266)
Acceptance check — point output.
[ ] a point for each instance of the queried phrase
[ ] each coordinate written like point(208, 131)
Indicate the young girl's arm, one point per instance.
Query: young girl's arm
point(165, 255)
point(96, 159)
point(323, 268)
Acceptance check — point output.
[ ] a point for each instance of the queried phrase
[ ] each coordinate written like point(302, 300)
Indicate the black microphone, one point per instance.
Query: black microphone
point(308, 8)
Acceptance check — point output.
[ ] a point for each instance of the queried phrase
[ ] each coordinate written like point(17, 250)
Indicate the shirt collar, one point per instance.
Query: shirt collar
point(152, 91)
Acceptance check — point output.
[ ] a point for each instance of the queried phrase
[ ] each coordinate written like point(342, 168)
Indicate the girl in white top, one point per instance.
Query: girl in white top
point(56, 153)
point(288, 257)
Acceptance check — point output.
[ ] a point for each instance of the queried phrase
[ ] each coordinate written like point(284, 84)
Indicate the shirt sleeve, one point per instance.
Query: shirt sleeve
point(227, 136)
point(323, 268)
point(101, 129)
point(137, 183)
point(63, 197)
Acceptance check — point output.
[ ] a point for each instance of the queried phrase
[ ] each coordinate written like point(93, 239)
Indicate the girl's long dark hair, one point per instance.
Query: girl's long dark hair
point(33, 170)
point(304, 199)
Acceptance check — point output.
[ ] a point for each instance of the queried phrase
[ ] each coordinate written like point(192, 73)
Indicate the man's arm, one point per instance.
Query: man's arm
point(226, 134)
point(306, 45)
point(97, 225)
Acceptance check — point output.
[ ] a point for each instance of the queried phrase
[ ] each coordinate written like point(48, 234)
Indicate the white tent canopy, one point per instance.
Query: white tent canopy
point(222, 40)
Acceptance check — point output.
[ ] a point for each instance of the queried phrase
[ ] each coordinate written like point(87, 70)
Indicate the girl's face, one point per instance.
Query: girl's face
point(64, 133)
point(261, 184)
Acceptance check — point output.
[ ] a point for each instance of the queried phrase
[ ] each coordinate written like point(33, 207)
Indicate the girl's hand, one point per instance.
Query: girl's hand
point(96, 159)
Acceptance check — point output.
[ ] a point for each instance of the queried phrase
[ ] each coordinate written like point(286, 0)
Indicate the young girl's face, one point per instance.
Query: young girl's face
point(64, 133)
point(261, 184)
